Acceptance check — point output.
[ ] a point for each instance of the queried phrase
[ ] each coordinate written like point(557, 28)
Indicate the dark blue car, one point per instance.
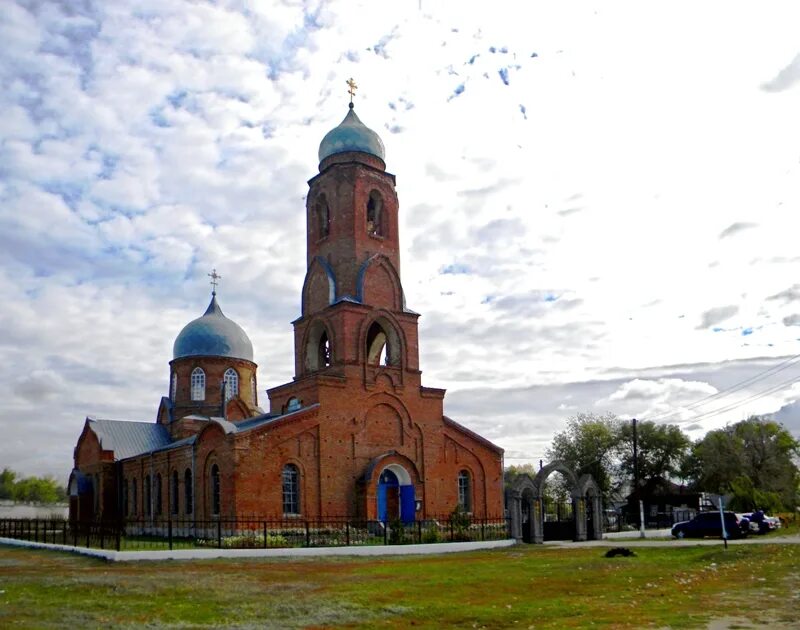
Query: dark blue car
point(709, 524)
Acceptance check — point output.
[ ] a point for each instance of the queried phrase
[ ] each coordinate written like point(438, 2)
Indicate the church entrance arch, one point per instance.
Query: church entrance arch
point(535, 518)
point(395, 495)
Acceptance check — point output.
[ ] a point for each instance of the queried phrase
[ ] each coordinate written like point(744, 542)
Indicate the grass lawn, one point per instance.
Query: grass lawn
point(519, 587)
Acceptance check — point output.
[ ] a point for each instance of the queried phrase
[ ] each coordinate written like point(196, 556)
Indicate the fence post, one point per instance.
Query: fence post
point(88, 533)
point(169, 532)
point(265, 534)
point(102, 535)
point(118, 541)
point(64, 532)
point(385, 532)
point(347, 533)
point(219, 533)
point(419, 532)
point(483, 529)
point(308, 535)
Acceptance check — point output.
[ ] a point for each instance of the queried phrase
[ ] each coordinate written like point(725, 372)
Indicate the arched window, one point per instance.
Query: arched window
point(187, 492)
point(291, 489)
point(173, 390)
point(465, 491)
point(148, 505)
point(253, 391)
point(174, 493)
point(231, 384)
point(375, 214)
point(134, 497)
point(322, 216)
point(157, 495)
point(293, 404)
point(215, 490)
point(198, 384)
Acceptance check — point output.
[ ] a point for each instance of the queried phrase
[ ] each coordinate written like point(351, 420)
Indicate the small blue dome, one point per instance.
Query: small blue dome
point(213, 335)
point(351, 135)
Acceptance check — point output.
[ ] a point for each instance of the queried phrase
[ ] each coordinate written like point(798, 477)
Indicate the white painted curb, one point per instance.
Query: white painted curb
point(203, 554)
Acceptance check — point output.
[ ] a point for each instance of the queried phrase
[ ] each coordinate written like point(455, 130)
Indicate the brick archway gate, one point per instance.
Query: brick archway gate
point(526, 503)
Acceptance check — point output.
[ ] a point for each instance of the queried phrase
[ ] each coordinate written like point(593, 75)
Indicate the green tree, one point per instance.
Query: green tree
point(752, 459)
point(589, 445)
point(512, 472)
point(38, 490)
point(30, 489)
point(8, 479)
point(661, 450)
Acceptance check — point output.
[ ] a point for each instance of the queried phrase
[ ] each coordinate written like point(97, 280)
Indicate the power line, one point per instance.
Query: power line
point(736, 386)
point(732, 406)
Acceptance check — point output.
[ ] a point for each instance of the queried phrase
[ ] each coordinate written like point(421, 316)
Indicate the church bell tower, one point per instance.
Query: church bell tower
point(354, 320)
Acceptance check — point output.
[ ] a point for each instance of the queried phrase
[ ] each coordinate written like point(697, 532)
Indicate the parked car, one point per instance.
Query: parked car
point(760, 523)
point(708, 524)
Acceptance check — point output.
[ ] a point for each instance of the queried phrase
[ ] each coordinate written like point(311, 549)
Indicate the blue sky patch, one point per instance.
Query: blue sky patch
point(747, 331)
point(455, 269)
point(503, 72)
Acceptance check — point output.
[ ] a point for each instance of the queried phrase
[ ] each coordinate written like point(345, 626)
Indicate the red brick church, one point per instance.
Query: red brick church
point(355, 433)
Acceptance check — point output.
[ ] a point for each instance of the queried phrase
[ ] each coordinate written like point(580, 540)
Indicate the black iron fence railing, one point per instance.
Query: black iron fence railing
point(620, 522)
point(153, 534)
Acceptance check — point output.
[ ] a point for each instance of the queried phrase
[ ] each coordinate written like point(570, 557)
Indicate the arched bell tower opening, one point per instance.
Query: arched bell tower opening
point(375, 222)
point(382, 344)
point(318, 348)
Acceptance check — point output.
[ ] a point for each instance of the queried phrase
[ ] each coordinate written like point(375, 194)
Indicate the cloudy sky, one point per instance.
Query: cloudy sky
point(600, 201)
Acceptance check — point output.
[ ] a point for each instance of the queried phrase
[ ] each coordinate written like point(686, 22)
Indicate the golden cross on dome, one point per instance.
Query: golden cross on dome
point(351, 88)
point(214, 277)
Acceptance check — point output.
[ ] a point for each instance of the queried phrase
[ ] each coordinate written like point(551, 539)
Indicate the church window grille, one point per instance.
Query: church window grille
point(198, 384)
point(148, 506)
point(134, 497)
point(174, 493)
point(215, 490)
point(375, 214)
point(291, 489)
point(231, 384)
point(187, 492)
point(465, 491)
point(157, 495)
point(173, 392)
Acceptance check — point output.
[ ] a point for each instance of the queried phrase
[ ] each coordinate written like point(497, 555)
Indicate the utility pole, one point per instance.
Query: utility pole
point(635, 458)
point(636, 479)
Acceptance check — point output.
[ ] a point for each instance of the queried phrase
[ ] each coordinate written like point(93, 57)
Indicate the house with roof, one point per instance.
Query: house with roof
point(354, 434)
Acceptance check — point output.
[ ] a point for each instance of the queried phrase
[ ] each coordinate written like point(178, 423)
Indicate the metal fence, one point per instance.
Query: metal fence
point(148, 534)
point(620, 521)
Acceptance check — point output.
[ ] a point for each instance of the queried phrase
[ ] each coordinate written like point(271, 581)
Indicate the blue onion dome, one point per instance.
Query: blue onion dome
point(351, 135)
point(213, 335)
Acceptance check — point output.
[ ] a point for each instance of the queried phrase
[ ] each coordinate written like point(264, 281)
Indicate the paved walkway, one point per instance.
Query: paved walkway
point(655, 539)
point(189, 554)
